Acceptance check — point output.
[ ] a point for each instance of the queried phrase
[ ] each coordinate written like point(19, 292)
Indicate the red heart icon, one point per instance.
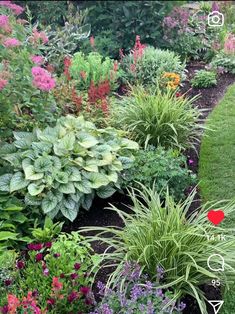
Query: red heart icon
point(215, 216)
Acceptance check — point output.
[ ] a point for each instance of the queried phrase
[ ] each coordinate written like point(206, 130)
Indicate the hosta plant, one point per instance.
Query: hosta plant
point(61, 169)
point(204, 79)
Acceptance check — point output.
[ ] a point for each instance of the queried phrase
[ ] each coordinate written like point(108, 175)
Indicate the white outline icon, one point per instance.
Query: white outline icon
point(216, 305)
point(221, 262)
point(215, 19)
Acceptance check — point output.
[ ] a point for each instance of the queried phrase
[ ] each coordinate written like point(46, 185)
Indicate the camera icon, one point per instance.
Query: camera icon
point(215, 19)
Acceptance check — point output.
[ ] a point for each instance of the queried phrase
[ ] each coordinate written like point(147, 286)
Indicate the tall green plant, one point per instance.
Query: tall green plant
point(159, 233)
point(158, 118)
point(61, 169)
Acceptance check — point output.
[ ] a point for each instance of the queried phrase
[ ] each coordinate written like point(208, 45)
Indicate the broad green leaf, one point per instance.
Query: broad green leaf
point(67, 188)
point(30, 174)
point(13, 208)
point(71, 214)
point(42, 147)
point(69, 203)
point(18, 182)
point(23, 143)
point(87, 201)
point(97, 180)
point(67, 142)
point(14, 159)
point(86, 140)
point(84, 186)
point(129, 144)
point(61, 177)
point(31, 200)
point(56, 162)
point(19, 217)
point(74, 174)
point(126, 162)
point(24, 135)
point(7, 149)
point(105, 191)
point(42, 164)
point(35, 189)
point(7, 235)
point(91, 165)
point(5, 182)
point(112, 176)
point(49, 203)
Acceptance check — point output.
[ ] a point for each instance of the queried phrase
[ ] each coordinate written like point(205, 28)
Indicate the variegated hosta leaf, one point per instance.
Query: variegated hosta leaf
point(18, 182)
point(5, 182)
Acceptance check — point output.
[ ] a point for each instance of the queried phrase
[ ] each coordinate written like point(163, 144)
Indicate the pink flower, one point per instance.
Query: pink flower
point(35, 246)
point(4, 23)
point(20, 264)
point(215, 6)
point(37, 59)
point(46, 272)
point(73, 276)
point(229, 45)
point(11, 42)
point(56, 285)
point(190, 162)
point(42, 79)
point(92, 41)
point(48, 245)
point(17, 10)
point(37, 36)
point(3, 83)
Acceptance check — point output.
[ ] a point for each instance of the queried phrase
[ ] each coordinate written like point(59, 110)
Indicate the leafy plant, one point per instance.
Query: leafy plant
point(48, 232)
point(92, 68)
point(14, 222)
point(158, 118)
point(7, 266)
point(55, 277)
point(61, 169)
point(147, 68)
point(161, 234)
point(204, 79)
point(140, 295)
point(160, 168)
point(225, 62)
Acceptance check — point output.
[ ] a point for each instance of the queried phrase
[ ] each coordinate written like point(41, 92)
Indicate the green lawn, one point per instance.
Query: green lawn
point(217, 165)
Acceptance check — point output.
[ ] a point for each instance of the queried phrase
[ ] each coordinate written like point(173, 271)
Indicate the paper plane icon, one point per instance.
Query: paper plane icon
point(216, 305)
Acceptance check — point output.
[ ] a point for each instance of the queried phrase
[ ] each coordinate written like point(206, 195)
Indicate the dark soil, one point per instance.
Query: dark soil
point(99, 216)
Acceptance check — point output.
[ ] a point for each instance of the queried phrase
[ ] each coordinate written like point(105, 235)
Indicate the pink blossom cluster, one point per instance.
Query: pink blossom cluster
point(42, 79)
point(4, 24)
point(3, 83)
point(37, 36)
point(11, 43)
point(17, 10)
point(37, 59)
point(229, 45)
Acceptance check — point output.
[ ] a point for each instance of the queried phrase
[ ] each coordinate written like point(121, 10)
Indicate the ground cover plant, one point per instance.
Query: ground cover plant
point(204, 79)
point(61, 168)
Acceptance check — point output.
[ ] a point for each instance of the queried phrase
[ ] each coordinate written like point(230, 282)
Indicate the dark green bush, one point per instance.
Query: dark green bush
point(161, 168)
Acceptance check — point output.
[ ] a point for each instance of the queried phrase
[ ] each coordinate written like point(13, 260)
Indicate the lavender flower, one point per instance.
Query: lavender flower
point(160, 272)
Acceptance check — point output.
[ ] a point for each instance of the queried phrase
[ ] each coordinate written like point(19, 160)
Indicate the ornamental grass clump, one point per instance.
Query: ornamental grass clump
point(159, 118)
point(62, 168)
point(160, 234)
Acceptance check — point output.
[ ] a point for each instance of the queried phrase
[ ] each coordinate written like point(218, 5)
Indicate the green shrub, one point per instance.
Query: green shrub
point(225, 62)
point(62, 168)
point(14, 222)
point(158, 119)
point(160, 234)
point(149, 68)
point(161, 168)
point(204, 79)
point(58, 273)
point(95, 68)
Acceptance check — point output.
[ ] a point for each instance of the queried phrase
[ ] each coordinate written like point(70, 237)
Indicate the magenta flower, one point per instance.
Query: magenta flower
point(190, 162)
point(72, 296)
point(7, 282)
point(11, 43)
point(37, 59)
point(20, 264)
point(73, 276)
point(4, 309)
point(35, 246)
point(215, 6)
point(3, 83)
point(4, 23)
point(56, 255)
point(77, 266)
point(17, 10)
point(85, 290)
point(39, 257)
point(48, 245)
point(42, 79)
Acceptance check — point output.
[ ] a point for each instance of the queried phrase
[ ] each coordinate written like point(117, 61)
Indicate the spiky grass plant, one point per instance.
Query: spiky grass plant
point(159, 118)
point(159, 234)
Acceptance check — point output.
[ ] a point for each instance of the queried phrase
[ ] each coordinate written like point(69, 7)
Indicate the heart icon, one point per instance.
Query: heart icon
point(215, 216)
